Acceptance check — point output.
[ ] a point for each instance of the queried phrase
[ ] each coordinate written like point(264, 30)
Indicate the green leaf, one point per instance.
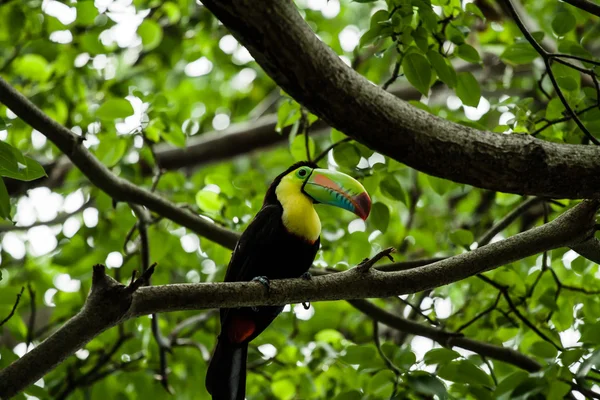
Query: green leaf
point(555, 109)
point(468, 90)
point(33, 67)
point(586, 366)
point(380, 216)
point(382, 384)
point(32, 171)
point(519, 53)
point(4, 202)
point(16, 166)
point(174, 136)
point(462, 237)
point(427, 384)
point(558, 390)
point(473, 9)
point(16, 22)
point(283, 389)
point(455, 35)
point(359, 354)
point(351, 395)
point(154, 130)
point(567, 83)
point(3, 124)
point(563, 22)
point(443, 68)
point(287, 113)
point(566, 77)
point(570, 357)
point(34, 390)
point(370, 35)
point(390, 187)
point(440, 356)
point(330, 336)
point(298, 147)
point(209, 201)
point(580, 265)
point(468, 53)
point(346, 155)
point(111, 150)
point(543, 349)
point(529, 388)
point(86, 12)
point(8, 159)
point(429, 18)
point(151, 34)
point(509, 383)
point(464, 371)
point(112, 109)
point(418, 71)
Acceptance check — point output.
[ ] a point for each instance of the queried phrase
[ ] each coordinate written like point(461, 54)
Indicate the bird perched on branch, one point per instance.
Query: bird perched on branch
point(281, 242)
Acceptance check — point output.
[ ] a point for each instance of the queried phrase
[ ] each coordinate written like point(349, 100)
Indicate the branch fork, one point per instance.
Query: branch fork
point(366, 265)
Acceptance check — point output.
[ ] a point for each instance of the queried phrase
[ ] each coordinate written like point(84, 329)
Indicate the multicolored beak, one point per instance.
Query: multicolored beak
point(338, 189)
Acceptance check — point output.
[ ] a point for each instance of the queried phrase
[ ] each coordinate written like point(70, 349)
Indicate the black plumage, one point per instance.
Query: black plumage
point(267, 249)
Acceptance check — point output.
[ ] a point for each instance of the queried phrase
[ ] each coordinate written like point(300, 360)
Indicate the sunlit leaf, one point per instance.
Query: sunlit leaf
point(114, 108)
point(151, 34)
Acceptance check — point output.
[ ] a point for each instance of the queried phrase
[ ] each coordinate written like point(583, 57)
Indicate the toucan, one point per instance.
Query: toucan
point(281, 242)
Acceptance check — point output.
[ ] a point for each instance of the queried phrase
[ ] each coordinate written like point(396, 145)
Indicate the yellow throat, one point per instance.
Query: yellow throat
point(299, 215)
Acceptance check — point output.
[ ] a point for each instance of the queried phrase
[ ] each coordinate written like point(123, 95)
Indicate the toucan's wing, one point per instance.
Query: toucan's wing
point(255, 244)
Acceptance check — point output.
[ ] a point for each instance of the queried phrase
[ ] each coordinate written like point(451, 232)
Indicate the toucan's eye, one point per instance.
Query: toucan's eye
point(302, 172)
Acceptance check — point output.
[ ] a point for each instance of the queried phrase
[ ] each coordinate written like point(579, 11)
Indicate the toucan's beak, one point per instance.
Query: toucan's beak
point(338, 189)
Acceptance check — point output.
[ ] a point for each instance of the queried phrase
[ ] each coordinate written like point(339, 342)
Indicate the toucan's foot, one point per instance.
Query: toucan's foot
point(306, 276)
point(263, 280)
point(306, 305)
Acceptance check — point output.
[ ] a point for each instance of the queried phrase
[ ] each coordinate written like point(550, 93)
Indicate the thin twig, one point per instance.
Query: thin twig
point(390, 365)
point(163, 345)
point(331, 147)
point(481, 314)
point(418, 310)
point(366, 264)
point(32, 314)
point(546, 56)
point(513, 307)
point(507, 220)
point(12, 312)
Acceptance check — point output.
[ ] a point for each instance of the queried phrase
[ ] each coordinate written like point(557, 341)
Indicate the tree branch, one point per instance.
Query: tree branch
point(119, 189)
point(110, 303)
point(447, 339)
point(288, 50)
point(585, 5)
point(547, 57)
point(12, 312)
point(507, 220)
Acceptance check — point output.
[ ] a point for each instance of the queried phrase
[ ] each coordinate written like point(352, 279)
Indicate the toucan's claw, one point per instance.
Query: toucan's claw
point(306, 305)
point(306, 276)
point(263, 280)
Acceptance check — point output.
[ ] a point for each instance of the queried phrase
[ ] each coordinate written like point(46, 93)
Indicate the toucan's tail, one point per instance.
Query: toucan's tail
point(226, 375)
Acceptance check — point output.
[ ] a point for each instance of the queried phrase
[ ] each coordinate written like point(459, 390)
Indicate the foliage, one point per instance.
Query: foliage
point(135, 79)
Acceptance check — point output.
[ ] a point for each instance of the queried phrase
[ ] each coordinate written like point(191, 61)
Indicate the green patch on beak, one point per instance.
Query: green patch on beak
point(339, 190)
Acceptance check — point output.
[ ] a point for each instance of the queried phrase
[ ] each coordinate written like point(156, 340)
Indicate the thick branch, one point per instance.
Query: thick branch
point(110, 303)
point(289, 51)
point(119, 189)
